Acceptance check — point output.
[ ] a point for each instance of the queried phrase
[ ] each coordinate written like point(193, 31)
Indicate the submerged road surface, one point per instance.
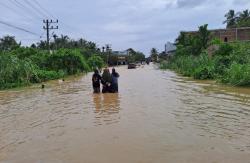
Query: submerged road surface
point(157, 117)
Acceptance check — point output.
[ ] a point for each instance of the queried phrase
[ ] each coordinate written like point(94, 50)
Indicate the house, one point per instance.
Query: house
point(228, 34)
point(121, 57)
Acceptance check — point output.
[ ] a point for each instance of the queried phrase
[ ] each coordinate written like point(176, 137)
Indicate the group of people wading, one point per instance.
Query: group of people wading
point(108, 80)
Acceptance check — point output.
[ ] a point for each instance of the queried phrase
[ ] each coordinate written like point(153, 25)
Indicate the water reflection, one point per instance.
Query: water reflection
point(157, 117)
point(106, 108)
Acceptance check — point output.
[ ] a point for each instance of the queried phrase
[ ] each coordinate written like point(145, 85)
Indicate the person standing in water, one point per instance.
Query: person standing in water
point(115, 77)
point(106, 81)
point(96, 80)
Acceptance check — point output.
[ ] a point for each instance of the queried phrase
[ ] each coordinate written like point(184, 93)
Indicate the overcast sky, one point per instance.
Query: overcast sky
point(139, 24)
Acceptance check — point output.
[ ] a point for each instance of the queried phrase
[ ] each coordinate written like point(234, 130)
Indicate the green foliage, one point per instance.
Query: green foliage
point(193, 44)
point(240, 19)
point(15, 72)
point(224, 49)
point(8, 43)
point(203, 36)
point(66, 60)
point(215, 41)
point(21, 66)
point(135, 56)
point(45, 75)
point(230, 64)
point(95, 62)
point(238, 75)
point(154, 54)
point(231, 19)
point(164, 64)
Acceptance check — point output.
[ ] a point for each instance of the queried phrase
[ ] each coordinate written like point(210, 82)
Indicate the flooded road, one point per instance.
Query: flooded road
point(157, 117)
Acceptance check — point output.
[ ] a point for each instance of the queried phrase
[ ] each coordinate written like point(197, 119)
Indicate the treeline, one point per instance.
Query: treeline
point(237, 19)
point(90, 48)
point(228, 62)
point(21, 66)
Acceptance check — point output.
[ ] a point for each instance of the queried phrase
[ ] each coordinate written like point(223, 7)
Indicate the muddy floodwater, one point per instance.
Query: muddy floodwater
point(157, 117)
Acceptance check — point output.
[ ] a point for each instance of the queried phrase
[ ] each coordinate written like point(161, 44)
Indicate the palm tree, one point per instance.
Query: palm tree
point(244, 19)
point(244, 15)
point(231, 19)
point(154, 54)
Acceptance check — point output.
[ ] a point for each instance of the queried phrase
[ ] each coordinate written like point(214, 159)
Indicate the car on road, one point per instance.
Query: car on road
point(131, 66)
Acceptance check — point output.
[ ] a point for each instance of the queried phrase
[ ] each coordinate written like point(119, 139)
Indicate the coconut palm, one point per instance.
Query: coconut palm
point(244, 19)
point(231, 19)
point(244, 15)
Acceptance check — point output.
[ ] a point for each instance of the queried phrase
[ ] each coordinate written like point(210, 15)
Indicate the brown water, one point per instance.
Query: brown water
point(157, 117)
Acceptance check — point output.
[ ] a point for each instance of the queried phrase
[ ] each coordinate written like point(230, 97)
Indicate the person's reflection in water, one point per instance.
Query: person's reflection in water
point(97, 102)
point(107, 107)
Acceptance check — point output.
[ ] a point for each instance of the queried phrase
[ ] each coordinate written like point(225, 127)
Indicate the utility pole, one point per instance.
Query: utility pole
point(48, 27)
point(108, 51)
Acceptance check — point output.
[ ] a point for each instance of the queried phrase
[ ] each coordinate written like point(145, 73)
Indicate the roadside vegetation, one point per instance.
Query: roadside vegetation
point(229, 63)
point(20, 66)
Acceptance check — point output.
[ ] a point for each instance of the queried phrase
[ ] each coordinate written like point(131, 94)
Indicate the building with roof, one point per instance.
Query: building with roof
point(228, 34)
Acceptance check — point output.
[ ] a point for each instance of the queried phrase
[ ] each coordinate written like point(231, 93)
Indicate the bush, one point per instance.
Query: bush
point(95, 62)
point(225, 49)
point(204, 67)
point(68, 61)
point(15, 72)
point(43, 75)
point(238, 75)
point(23, 66)
point(164, 64)
point(230, 64)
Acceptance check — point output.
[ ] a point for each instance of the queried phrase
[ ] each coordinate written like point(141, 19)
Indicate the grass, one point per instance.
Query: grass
point(230, 64)
point(25, 66)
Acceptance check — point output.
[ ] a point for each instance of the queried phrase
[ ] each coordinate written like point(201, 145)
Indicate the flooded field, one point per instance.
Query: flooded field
point(157, 117)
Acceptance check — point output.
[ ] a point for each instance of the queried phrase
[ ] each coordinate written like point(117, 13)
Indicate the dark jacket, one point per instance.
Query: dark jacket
point(96, 80)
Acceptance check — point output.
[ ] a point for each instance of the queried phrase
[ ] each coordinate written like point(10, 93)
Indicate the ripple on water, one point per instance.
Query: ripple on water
point(156, 114)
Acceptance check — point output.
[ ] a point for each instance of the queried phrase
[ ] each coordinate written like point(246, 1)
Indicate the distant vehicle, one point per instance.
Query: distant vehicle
point(131, 66)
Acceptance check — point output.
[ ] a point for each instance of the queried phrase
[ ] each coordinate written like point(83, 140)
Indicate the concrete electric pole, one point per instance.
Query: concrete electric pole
point(48, 27)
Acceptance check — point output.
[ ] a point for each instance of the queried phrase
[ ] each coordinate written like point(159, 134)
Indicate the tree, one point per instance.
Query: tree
point(231, 19)
point(245, 15)
point(204, 36)
point(135, 56)
point(33, 46)
point(8, 43)
point(42, 45)
point(244, 19)
point(181, 40)
point(131, 52)
point(154, 54)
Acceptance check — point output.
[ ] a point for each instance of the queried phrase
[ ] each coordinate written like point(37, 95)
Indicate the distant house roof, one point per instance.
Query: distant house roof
point(120, 52)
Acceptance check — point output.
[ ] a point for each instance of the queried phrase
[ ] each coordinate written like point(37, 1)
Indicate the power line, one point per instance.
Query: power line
point(18, 28)
point(13, 10)
point(20, 5)
point(35, 8)
point(44, 9)
point(49, 13)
